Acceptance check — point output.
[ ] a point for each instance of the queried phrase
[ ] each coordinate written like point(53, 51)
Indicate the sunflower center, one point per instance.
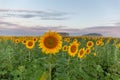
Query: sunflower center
point(81, 52)
point(89, 44)
point(35, 39)
point(65, 48)
point(24, 41)
point(30, 43)
point(87, 51)
point(98, 42)
point(73, 48)
point(50, 42)
point(17, 40)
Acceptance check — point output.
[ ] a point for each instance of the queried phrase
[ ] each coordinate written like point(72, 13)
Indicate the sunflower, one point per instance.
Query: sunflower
point(30, 44)
point(35, 39)
point(65, 39)
point(65, 48)
point(108, 40)
point(102, 44)
point(101, 40)
point(0, 40)
point(75, 40)
point(90, 44)
point(87, 51)
point(115, 40)
point(68, 39)
point(118, 45)
point(94, 53)
point(97, 42)
point(11, 38)
point(50, 42)
point(24, 41)
point(73, 49)
point(17, 41)
point(81, 53)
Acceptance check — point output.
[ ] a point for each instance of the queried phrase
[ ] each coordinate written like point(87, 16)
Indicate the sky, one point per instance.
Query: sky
point(77, 14)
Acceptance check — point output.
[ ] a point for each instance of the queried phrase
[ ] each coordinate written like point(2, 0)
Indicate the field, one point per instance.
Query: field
point(53, 57)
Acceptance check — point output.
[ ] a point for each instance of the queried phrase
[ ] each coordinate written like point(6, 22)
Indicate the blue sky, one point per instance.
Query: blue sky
point(56, 13)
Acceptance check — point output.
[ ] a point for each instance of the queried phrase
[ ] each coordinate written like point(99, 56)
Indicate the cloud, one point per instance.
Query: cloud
point(117, 24)
point(7, 28)
point(22, 19)
point(43, 15)
point(7, 23)
point(20, 28)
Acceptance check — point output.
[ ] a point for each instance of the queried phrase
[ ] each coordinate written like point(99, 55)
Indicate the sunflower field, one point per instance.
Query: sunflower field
point(53, 57)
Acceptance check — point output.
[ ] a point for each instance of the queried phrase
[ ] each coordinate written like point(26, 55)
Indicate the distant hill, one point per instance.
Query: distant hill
point(64, 34)
point(107, 31)
point(93, 34)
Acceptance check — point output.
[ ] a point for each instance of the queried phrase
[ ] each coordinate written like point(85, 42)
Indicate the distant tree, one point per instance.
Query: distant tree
point(64, 34)
point(93, 34)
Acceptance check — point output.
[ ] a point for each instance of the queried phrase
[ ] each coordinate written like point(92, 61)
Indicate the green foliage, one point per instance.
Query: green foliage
point(19, 63)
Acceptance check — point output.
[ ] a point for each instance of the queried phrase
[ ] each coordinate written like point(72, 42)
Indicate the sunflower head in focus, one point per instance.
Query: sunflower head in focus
point(30, 44)
point(73, 49)
point(81, 53)
point(90, 44)
point(50, 42)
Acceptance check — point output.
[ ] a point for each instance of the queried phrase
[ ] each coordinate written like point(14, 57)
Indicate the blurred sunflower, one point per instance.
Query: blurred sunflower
point(65, 39)
point(17, 41)
point(102, 44)
point(87, 51)
point(50, 42)
point(97, 43)
point(24, 41)
point(90, 44)
point(116, 40)
point(65, 48)
point(93, 48)
point(75, 40)
point(101, 40)
point(108, 40)
point(73, 49)
point(35, 39)
point(30, 44)
point(0, 40)
point(118, 45)
point(94, 53)
point(81, 53)
point(68, 39)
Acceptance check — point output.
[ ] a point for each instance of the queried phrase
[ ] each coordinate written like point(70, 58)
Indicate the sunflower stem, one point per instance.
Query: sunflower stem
point(29, 55)
point(68, 65)
point(50, 71)
point(50, 67)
